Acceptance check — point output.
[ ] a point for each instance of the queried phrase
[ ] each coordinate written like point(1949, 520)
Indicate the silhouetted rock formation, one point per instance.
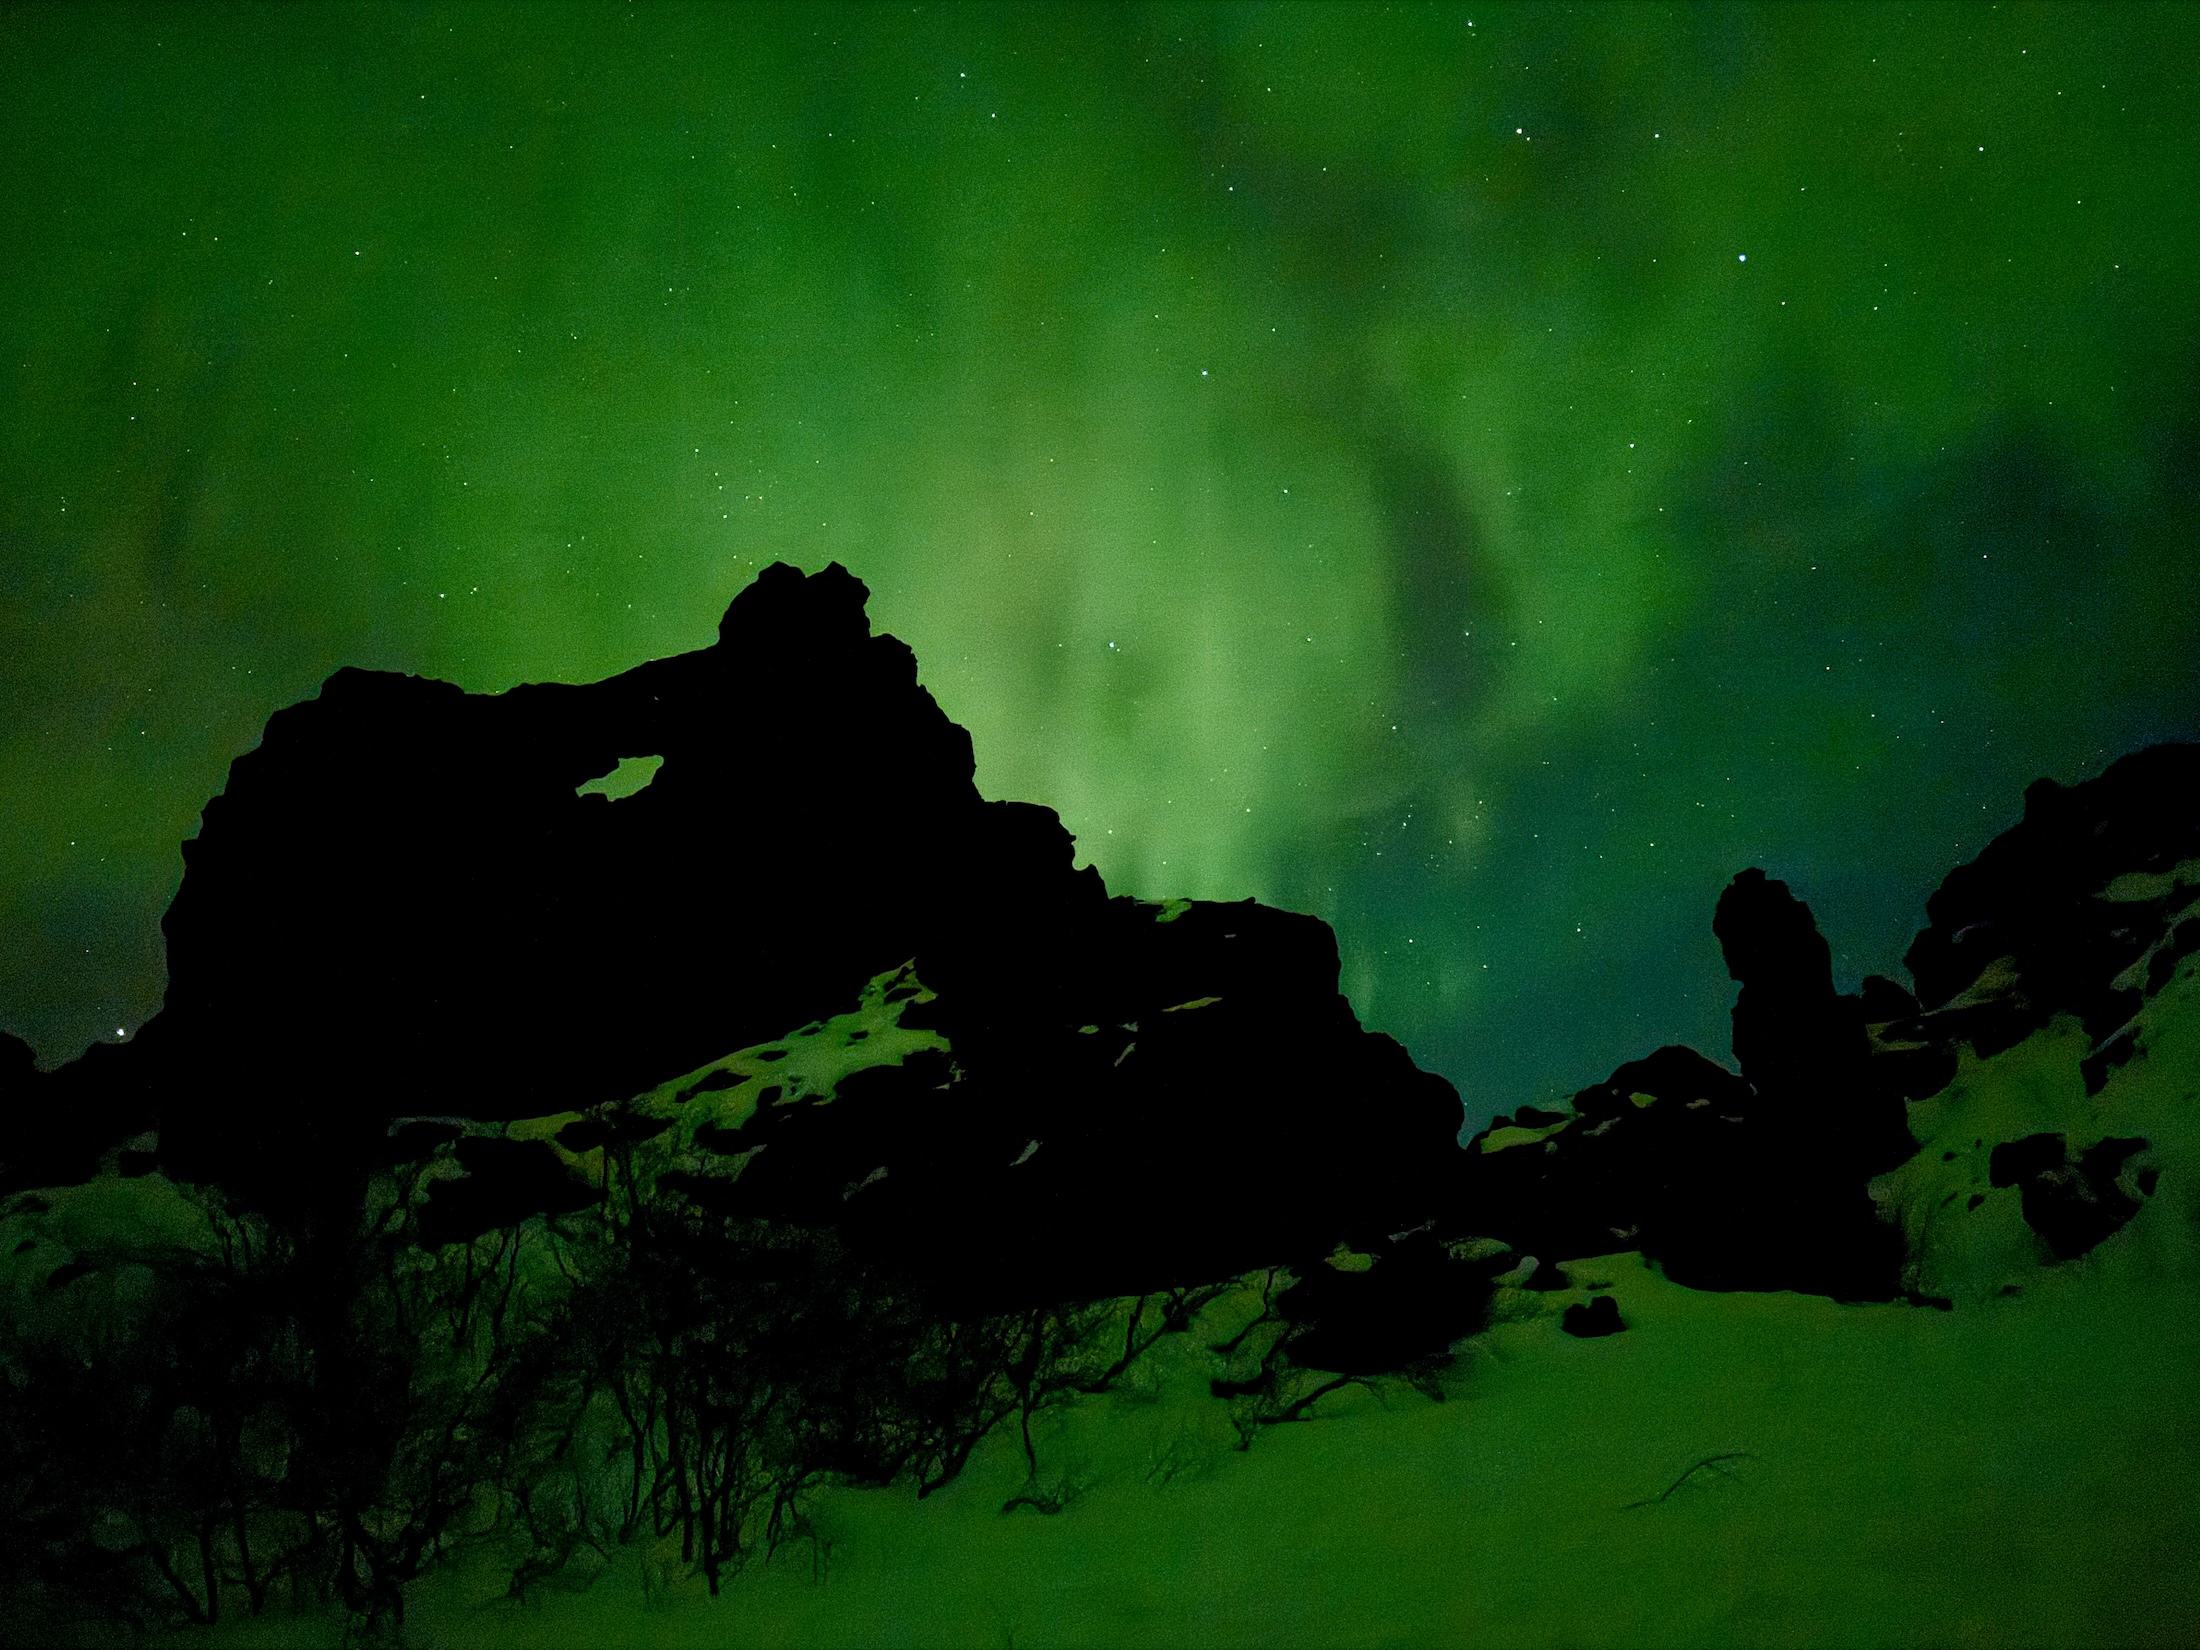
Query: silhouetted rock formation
point(1592, 1318)
point(1750, 1182)
point(57, 1127)
point(2057, 914)
point(18, 1074)
point(1130, 1103)
point(2073, 1200)
point(408, 904)
point(2084, 908)
point(864, 1105)
point(402, 906)
point(1802, 1047)
point(1791, 1035)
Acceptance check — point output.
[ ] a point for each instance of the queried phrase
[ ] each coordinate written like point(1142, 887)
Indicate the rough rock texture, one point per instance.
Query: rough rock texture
point(1803, 1048)
point(400, 904)
point(1755, 1181)
point(2057, 912)
point(2085, 908)
point(409, 923)
point(2073, 1199)
point(403, 905)
point(1129, 1102)
point(1592, 1318)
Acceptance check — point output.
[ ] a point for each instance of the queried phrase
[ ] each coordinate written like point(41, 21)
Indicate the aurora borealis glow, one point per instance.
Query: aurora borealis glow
point(1480, 474)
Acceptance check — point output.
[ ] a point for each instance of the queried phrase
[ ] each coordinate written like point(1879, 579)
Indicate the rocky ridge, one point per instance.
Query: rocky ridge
point(1804, 1171)
point(596, 1115)
point(412, 930)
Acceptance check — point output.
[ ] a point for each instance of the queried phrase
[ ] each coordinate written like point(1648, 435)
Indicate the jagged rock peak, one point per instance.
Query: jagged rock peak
point(2031, 891)
point(783, 604)
point(1769, 938)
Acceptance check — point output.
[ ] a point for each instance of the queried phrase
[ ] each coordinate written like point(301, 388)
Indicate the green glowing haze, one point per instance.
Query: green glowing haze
point(1479, 474)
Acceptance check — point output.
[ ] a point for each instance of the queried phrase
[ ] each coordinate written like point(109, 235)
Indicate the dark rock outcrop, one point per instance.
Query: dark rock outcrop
point(1224, 1111)
point(1612, 1178)
point(20, 1097)
point(18, 1071)
point(1730, 1182)
point(409, 903)
point(2073, 1200)
point(1801, 1046)
point(400, 904)
point(2085, 908)
point(56, 1127)
point(505, 1182)
point(1592, 1318)
point(404, 905)
point(2053, 914)
point(1793, 1036)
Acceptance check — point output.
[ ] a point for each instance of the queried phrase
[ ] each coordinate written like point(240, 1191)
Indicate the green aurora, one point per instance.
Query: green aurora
point(1480, 474)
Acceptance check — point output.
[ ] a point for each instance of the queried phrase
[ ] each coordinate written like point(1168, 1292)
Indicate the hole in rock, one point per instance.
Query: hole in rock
point(632, 774)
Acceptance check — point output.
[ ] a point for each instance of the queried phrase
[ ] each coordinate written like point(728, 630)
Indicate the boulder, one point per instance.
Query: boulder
point(2073, 1199)
point(1591, 1318)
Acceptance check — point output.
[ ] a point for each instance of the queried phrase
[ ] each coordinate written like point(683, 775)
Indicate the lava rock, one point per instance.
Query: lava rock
point(56, 1126)
point(1594, 1317)
point(2073, 1202)
point(1801, 1046)
point(406, 898)
point(1754, 1181)
point(2036, 903)
point(416, 1139)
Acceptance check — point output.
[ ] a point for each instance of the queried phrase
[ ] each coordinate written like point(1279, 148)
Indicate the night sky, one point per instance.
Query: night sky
point(1481, 475)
